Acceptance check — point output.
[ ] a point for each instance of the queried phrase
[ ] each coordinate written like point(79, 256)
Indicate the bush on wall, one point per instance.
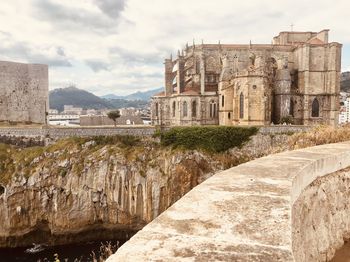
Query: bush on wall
point(209, 138)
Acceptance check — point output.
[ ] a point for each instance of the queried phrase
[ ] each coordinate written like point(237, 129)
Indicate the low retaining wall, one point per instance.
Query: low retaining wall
point(110, 131)
point(291, 206)
point(69, 132)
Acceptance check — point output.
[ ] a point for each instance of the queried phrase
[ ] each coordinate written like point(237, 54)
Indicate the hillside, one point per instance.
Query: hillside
point(81, 98)
point(145, 96)
point(76, 97)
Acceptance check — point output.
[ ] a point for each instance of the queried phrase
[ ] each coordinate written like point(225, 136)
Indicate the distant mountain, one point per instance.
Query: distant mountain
point(111, 96)
point(81, 98)
point(345, 82)
point(145, 96)
point(76, 97)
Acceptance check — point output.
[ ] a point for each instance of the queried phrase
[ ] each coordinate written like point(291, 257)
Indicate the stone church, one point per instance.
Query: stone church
point(295, 79)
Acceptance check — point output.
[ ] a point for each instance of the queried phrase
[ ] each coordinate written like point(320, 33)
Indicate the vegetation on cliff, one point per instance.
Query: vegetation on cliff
point(319, 135)
point(208, 138)
point(16, 161)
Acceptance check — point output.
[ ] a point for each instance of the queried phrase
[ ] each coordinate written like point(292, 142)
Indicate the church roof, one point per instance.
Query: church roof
point(315, 41)
point(160, 94)
point(190, 92)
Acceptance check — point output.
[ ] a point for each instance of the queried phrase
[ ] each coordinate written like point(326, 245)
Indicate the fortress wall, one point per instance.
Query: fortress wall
point(23, 92)
point(291, 206)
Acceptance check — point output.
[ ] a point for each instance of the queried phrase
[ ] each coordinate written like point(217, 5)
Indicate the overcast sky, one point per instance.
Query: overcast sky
point(118, 46)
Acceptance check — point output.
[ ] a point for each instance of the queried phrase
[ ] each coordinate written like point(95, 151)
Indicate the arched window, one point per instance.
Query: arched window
point(194, 108)
point(315, 108)
point(222, 101)
point(174, 108)
point(291, 107)
point(120, 191)
point(241, 106)
point(157, 110)
point(184, 105)
point(213, 109)
point(229, 115)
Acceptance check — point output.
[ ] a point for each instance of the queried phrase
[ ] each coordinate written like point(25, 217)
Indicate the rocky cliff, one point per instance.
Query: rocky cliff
point(82, 189)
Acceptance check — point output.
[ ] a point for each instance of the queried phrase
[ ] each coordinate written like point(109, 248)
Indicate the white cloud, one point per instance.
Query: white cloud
point(118, 46)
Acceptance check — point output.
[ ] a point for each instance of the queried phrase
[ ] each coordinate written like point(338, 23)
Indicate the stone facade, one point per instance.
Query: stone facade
point(296, 77)
point(23, 92)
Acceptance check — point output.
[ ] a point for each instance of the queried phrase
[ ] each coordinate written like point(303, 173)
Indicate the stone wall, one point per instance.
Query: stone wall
point(23, 92)
point(321, 218)
point(110, 131)
point(291, 206)
point(105, 120)
point(70, 132)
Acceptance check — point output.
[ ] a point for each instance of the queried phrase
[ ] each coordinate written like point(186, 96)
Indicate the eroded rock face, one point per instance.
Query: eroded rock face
point(69, 192)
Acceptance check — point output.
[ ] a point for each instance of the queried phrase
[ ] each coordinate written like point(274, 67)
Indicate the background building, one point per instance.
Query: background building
point(293, 79)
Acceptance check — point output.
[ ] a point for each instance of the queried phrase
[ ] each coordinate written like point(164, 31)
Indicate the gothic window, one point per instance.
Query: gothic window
point(274, 66)
point(198, 66)
point(229, 115)
point(157, 113)
point(291, 107)
point(184, 109)
point(210, 64)
point(194, 109)
point(241, 106)
point(120, 191)
point(174, 108)
point(213, 109)
point(222, 101)
point(315, 108)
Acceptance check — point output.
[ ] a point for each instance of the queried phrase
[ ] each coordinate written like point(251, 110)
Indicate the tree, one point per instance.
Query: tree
point(114, 115)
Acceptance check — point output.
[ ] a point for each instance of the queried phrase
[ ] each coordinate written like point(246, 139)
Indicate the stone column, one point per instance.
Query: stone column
point(180, 74)
point(202, 72)
point(168, 66)
point(282, 94)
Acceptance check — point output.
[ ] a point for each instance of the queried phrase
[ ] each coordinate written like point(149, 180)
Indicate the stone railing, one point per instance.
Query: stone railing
point(292, 206)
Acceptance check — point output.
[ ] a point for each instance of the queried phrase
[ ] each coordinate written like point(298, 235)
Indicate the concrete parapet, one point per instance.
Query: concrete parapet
point(252, 212)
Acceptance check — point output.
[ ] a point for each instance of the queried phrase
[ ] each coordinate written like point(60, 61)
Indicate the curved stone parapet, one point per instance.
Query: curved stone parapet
point(291, 206)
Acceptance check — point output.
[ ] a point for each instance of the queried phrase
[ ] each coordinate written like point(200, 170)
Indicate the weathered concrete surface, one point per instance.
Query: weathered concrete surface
point(24, 90)
point(241, 214)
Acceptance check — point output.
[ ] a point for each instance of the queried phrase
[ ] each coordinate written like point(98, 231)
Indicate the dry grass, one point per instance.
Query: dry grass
point(320, 135)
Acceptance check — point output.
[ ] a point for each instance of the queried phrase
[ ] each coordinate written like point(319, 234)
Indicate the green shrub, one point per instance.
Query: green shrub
point(212, 139)
point(287, 120)
point(123, 140)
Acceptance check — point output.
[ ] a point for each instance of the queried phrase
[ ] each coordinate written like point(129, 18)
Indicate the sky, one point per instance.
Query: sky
point(119, 46)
